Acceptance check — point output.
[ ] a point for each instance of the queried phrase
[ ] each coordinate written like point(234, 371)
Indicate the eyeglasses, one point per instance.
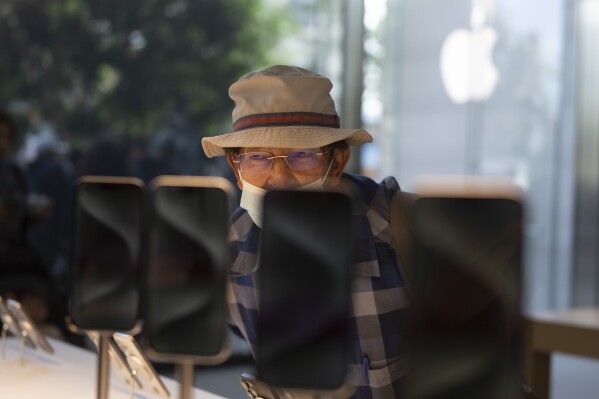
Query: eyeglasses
point(254, 163)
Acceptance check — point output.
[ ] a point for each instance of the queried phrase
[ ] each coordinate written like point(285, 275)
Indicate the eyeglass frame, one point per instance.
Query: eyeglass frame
point(272, 158)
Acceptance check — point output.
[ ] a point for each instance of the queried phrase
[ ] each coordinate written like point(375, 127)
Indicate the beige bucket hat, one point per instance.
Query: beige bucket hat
point(285, 107)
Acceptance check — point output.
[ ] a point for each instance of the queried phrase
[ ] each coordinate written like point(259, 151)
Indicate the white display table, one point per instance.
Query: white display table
point(68, 374)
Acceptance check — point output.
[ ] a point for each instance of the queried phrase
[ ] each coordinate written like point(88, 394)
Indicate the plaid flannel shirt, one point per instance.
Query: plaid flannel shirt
point(379, 300)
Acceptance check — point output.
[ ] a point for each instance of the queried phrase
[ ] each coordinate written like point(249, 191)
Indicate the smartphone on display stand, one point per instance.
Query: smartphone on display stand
point(188, 254)
point(140, 364)
point(465, 329)
point(107, 254)
point(28, 325)
point(304, 297)
point(117, 360)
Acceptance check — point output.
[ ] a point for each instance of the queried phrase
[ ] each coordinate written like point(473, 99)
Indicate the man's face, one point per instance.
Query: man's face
point(5, 140)
point(278, 175)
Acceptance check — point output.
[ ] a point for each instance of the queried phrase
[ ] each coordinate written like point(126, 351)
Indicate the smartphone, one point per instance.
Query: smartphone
point(25, 323)
point(188, 255)
point(139, 363)
point(117, 359)
point(465, 300)
point(107, 253)
point(304, 297)
point(11, 323)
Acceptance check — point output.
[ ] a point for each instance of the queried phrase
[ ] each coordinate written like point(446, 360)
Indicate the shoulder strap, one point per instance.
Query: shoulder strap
point(400, 204)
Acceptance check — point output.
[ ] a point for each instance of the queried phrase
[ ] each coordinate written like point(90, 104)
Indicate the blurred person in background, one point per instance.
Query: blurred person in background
point(108, 155)
point(162, 158)
point(23, 275)
point(50, 179)
point(13, 187)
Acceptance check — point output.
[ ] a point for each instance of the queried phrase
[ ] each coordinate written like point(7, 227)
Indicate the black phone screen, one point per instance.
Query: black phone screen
point(107, 252)
point(188, 253)
point(465, 330)
point(304, 286)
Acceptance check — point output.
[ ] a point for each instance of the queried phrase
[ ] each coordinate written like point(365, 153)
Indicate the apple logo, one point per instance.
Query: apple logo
point(466, 62)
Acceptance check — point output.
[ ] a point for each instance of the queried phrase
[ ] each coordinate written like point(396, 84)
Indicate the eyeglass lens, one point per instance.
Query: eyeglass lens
point(298, 160)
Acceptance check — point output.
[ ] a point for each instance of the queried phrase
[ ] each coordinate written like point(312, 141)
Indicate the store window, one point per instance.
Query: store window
point(478, 87)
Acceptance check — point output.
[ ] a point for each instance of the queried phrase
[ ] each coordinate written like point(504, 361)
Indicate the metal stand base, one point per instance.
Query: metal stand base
point(132, 384)
point(4, 330)
point(22, 346)
point(184, 372)
point(103, 369)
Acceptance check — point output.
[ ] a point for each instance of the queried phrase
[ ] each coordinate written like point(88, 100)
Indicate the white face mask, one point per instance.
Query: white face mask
point(316, 185)
point(252, 197)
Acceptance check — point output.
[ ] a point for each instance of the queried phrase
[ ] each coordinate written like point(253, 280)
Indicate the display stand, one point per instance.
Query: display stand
point(184, 375)
point(188, 224)
point(22, 338)
point(108, 211)
point(103, 366)
point(184, 366)
point(4, 331)
point(140, 365)
point(22, 346)
point(102, 341)
point(11, 322)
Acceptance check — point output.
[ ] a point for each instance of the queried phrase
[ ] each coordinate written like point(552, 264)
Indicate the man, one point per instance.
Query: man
point(286, 135)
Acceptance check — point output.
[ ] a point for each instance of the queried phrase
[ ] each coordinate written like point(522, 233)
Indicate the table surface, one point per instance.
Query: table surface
point(70, 373)
point(574, 331)
point(577, 317)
